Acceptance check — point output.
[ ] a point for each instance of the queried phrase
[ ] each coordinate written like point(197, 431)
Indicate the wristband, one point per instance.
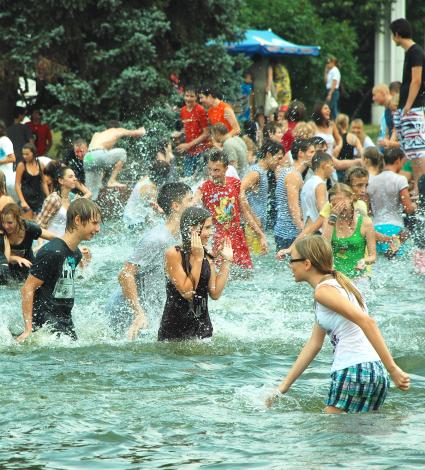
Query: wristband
point(332, 219)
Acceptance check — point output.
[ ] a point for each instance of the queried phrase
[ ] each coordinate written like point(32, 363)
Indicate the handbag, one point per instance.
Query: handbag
point(270, 104)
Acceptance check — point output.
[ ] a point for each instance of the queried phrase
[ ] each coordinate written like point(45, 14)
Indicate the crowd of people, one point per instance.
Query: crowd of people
point(331, 197)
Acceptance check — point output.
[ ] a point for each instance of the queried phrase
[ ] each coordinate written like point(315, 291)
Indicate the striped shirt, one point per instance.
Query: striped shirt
point(285, 226)
point(258, 199)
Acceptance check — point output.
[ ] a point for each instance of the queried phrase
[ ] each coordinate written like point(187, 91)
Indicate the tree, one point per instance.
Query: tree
point(112, 59)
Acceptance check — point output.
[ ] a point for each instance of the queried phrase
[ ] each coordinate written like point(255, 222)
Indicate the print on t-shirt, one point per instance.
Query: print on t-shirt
point(65, 287)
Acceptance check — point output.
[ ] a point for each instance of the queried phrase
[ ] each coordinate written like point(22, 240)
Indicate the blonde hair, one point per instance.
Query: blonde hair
point(359, 122)
point(381, 87)
point(304, 130)
point(3, 186)
point(318, 251)
point(339, 188)
point(342, 122)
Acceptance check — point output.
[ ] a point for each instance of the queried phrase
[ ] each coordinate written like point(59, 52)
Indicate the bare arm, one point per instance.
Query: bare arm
point(293, 185)
point(18, 185)
point(188, 145)
point(369, 232)
point(28, 290)
point(332, 299)
point(84, 189)
point(269, 78)
point(343, 165)
point(408, 206)
point(230, 117)
point(415, 85)
point(121, 132)
point(6, 247)
point(304, 359)
point(46, 235)
point(9, 159)
point(321, 196)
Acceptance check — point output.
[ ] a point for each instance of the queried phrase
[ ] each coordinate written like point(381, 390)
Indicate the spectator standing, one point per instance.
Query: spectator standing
point(409, 119)
point(332, 81)
point(19, 134)
point(41, 133)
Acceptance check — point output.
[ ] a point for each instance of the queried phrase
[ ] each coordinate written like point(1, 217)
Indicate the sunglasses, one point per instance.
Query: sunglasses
point(295, 260)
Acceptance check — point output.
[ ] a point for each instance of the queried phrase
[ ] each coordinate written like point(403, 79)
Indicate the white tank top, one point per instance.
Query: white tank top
point(329, 139)
point(308, 198)
point(350, 344)
point(57, 223)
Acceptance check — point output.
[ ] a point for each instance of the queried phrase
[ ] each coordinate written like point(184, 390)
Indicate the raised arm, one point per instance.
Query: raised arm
point(218, 281)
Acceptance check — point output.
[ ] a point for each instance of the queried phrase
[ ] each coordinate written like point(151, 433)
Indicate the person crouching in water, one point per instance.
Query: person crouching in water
point(191, 278)
point(359, 382)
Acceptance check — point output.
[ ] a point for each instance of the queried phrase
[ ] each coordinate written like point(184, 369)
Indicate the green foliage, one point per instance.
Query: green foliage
point(97, 60)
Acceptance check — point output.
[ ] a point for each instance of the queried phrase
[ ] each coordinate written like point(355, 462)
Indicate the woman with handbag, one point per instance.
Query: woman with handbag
point(191, 278)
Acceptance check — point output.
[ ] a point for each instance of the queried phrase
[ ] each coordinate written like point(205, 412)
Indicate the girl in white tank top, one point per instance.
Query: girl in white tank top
point(359, 381)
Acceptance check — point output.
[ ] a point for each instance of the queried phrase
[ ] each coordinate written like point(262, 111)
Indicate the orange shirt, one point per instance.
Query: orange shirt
point(216, 115)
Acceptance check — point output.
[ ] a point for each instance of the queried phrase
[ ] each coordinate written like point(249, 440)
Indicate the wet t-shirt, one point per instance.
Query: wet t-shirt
point(55, 264)
point(414, 57)
point(24, 249)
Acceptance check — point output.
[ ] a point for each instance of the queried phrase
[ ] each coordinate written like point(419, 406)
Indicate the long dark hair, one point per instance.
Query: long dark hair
point(317, 115)
point(56, 170)
point(191, 217)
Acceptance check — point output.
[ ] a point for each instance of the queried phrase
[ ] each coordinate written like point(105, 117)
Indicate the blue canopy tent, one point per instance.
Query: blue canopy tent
point(267, 43)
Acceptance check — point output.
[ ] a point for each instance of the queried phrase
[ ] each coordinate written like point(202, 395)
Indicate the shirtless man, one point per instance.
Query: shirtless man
point(102, 154)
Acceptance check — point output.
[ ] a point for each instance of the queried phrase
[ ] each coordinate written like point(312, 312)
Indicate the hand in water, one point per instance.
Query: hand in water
point(21, 338)
point(227, 250)
point(272, 398)
point(361, 264)
point(400, 378)
point(263, 245)
point(139, 323)
point(197, 248)
point(282, 254)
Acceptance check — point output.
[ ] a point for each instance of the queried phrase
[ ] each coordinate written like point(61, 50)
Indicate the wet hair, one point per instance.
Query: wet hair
point(317, 115)
point(375, 157)
point(219, 129)
point(3, 184)
point(342, 121)
point(86, 209)
point(269, 146)
point(15, 211)
point(296, 111)
point(169, 193)
point(402, 28)
point(33, 149)
point(355, 172)
point(216, 155)
point(318, 251)
point(319, 158)
point(395, 86)
point(210, 91)
point(270, 128)
point(300, 145)
point(56, 170)
point(2, 128)
point(317, 140)
point(159, 171)
point(339, 188)
point(392, 155)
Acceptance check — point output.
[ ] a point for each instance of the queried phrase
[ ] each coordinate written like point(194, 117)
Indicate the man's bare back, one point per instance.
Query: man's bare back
point(109, 137)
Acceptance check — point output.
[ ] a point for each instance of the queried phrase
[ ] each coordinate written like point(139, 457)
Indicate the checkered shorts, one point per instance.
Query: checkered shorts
point(359, 388)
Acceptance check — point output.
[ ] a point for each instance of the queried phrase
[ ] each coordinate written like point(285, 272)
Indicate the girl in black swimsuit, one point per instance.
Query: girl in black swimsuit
point(191, 278)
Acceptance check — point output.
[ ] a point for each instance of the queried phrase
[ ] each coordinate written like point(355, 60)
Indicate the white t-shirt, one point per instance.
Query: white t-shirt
point(6, 148)
point(384, 191)
point(231, 171)
point(308, 198)
point(333, 74)
point(350, 344)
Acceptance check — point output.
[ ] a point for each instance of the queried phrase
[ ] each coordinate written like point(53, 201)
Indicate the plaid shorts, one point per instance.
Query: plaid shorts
point(359, 388)
point(411, 132)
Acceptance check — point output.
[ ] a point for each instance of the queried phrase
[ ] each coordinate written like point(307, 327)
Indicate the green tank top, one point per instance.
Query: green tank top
point(349, 250)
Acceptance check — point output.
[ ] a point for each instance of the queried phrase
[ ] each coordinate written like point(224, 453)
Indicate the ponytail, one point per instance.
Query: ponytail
point(349, 287)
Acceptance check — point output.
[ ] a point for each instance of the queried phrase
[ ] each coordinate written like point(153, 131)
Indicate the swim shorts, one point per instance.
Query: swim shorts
point(359, 388)
point(411, 132)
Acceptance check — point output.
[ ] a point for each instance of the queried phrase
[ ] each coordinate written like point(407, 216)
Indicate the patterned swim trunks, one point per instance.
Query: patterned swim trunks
point(359, 388)
point(411, 132)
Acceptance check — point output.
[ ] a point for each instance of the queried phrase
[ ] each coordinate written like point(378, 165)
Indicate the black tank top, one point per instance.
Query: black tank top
point(183, 319)
point(347, 150)
point(32, 189)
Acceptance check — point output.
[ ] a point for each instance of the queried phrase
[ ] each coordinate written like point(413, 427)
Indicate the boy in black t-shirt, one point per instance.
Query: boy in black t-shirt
point(409, 119)
point(48, 293)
